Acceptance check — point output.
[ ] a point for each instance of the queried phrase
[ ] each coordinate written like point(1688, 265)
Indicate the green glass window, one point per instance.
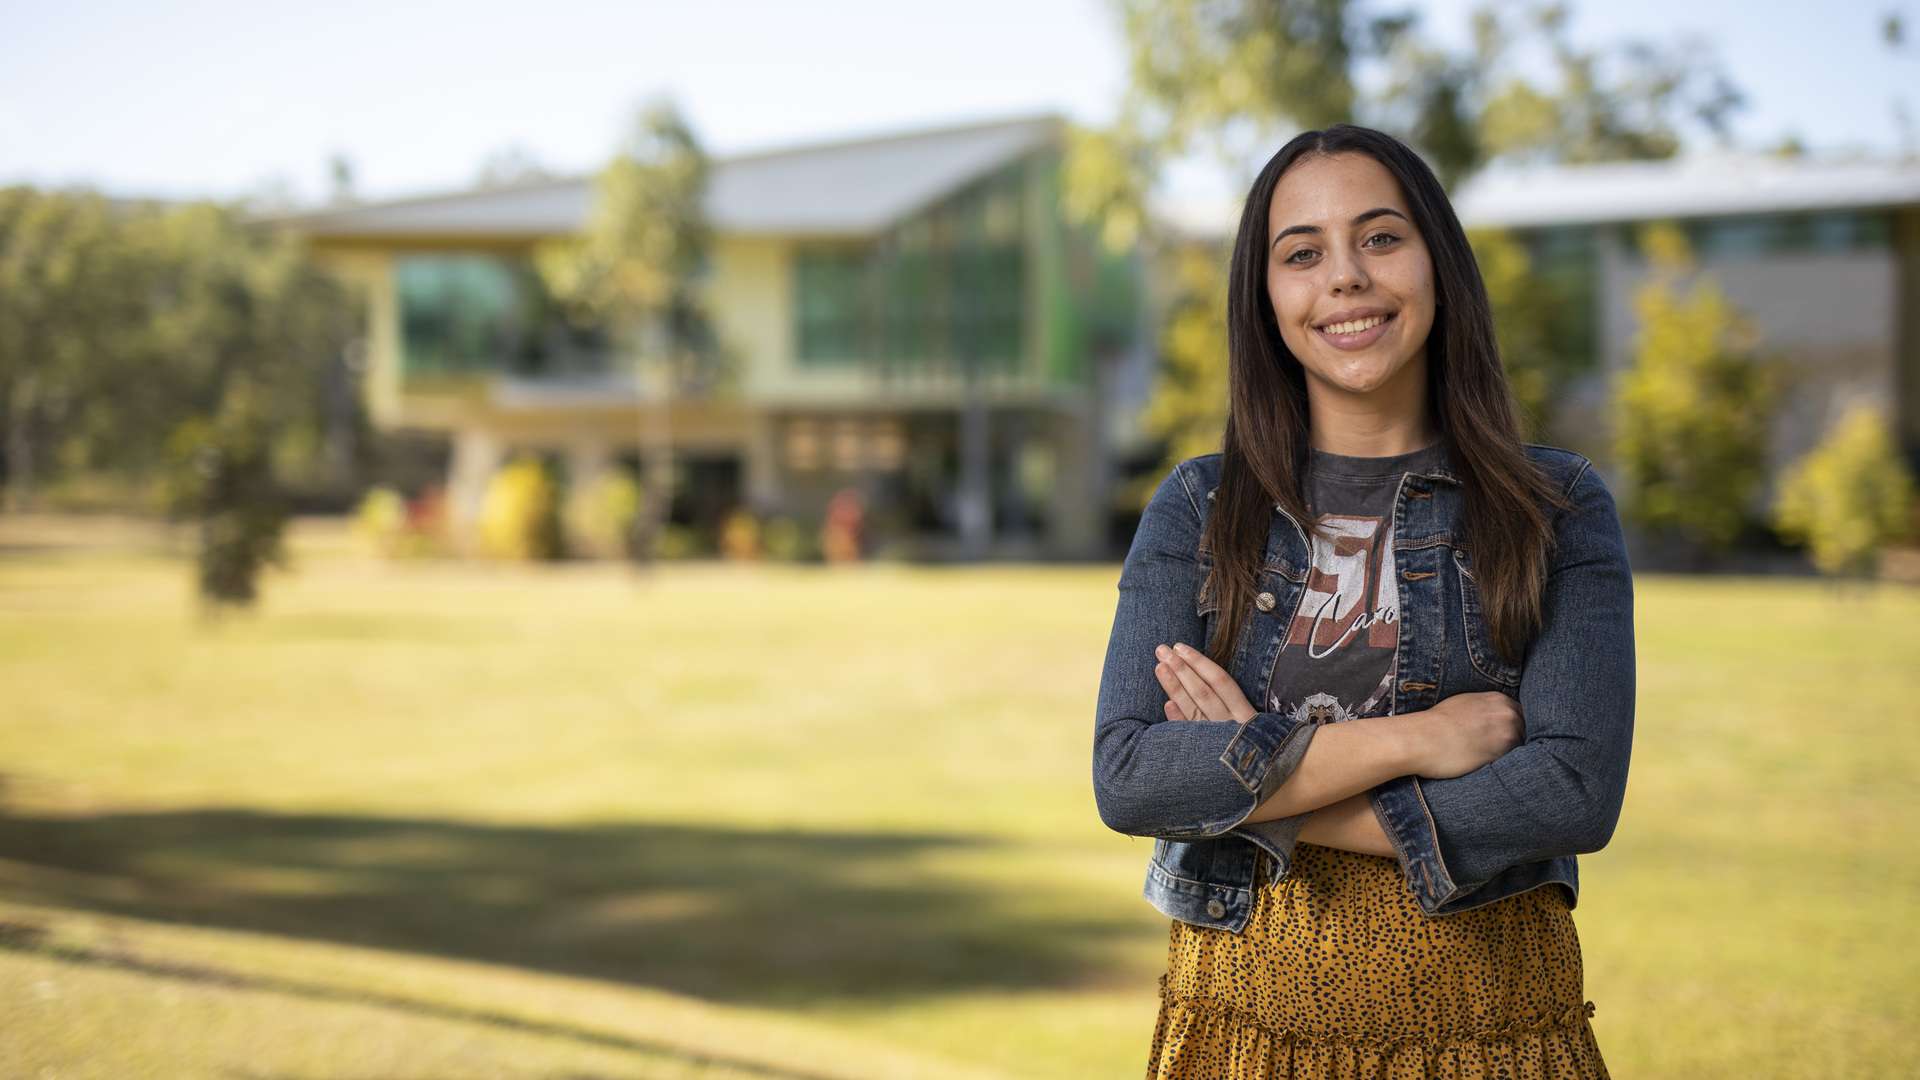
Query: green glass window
point(1768, 234)
point(473, 313)
point(831, 304)
point(945, 289)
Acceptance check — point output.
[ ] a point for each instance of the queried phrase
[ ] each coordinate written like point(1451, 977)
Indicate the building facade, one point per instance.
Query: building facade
point(909, 315)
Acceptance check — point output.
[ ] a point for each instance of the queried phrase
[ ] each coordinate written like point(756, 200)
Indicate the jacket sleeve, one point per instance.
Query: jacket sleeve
point(1175, 779)
point(1560, 791)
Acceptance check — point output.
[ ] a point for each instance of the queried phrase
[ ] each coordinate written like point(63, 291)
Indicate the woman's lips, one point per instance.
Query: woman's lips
point(1350, 342)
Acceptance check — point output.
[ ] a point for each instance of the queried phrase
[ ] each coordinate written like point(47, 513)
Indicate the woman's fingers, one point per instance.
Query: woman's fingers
point(1177, 696)
point(1206, 703)
point(1209, 684)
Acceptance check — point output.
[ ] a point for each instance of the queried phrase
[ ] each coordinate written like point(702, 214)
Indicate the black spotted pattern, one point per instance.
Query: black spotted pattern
point(1340, 976)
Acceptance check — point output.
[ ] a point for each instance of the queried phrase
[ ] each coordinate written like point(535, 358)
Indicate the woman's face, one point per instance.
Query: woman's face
point(1337, 260)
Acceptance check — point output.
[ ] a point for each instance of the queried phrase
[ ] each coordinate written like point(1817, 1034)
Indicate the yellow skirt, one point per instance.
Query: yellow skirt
point(1339, 974)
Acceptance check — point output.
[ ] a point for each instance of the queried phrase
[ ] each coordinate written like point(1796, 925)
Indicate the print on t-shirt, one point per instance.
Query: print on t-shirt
point(1337, 661)
point(1341, 642)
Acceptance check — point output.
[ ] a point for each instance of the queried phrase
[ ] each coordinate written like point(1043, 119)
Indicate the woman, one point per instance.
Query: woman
point(1372, 875)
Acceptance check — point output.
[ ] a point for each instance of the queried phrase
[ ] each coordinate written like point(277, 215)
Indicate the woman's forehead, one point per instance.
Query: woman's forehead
point(1330, 190)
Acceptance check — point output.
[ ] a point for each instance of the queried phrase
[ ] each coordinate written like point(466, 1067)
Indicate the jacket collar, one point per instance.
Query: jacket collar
point(1447, 469)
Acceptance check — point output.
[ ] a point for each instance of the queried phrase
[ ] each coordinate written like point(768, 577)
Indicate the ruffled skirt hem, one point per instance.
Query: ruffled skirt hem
point(1195, 1038)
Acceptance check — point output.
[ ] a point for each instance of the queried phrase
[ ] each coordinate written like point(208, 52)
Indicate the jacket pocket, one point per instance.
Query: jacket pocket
point(1474, 629)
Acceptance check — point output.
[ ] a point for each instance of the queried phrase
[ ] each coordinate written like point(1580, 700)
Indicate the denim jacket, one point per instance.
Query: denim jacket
point(1511, 825)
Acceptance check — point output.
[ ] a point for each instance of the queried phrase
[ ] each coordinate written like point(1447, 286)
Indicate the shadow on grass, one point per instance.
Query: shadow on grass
point(31, 939)
point(761, 918)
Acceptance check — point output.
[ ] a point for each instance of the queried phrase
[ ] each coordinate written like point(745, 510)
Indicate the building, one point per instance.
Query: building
point(910, 314)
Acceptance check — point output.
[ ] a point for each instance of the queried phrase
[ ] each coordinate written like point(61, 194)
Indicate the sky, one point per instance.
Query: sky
point(223, 99)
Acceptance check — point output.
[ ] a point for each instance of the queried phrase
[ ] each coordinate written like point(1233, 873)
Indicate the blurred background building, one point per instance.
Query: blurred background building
point(915, 317)
point(910, 312)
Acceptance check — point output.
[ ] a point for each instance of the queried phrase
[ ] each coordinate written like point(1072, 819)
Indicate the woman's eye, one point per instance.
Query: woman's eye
point(1296, 260)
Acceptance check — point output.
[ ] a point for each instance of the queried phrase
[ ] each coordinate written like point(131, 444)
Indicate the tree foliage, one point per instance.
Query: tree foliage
point(1187, 409)
point(1692, 413)
point(637, 269)
point(638, 265)
point(119, 322)
point(1849, 497)
point(222, 478)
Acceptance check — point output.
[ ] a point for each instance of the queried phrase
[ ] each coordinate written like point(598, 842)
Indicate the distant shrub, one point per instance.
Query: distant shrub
point(740, 535)
point(381, 519)
point(786, 540)
point(396, 528)
point(1848, 497)
point(520, 513)
point(843, 535)
point(682, 542)
point(601, 513)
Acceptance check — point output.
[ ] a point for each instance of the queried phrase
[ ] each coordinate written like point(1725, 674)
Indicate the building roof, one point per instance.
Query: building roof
point(848, 187)
point(1697, 185)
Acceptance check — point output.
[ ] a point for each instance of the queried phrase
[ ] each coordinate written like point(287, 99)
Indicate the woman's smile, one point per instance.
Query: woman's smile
point(1360, 339)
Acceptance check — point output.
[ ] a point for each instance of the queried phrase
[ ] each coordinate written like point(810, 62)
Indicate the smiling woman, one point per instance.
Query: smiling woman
point(1370, 682)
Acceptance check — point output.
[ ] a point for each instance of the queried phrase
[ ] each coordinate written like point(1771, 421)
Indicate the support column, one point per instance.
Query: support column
point(1080, 488)
point(762, 461)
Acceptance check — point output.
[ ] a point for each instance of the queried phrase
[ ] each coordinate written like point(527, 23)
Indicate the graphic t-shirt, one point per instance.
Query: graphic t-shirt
point(1337, 660)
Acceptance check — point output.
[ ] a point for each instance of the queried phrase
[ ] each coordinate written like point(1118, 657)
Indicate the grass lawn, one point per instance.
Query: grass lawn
point(430, 821)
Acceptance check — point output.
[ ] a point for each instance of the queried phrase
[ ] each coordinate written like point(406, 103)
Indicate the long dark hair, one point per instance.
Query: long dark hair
point(1264, 453)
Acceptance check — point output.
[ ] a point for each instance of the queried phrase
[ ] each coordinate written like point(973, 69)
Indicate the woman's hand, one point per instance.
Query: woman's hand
point(1197, 688)
point(1465, 731)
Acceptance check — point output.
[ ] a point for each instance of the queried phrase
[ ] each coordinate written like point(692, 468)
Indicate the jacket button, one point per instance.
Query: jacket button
point(1216, 909)
point(1264, 601)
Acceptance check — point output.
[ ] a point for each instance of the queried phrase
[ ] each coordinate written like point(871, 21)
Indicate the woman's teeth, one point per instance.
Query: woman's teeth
point(1356, 325)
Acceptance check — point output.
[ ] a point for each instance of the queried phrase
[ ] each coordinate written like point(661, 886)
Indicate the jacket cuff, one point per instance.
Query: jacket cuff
point(1265, 751)
point(1402, 810)
point(1279, 837)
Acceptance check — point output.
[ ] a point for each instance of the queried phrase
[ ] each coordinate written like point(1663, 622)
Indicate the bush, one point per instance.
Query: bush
point(843, 535)
point(381, 520)
point(520, 514)
point(682, 542)
point(396, 528)
point(601, 513)
point(1848, 497)
point(786, 540)
point(740, 535)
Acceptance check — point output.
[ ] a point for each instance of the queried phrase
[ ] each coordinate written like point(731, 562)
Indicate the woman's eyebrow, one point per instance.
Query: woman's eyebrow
point(1362, 216)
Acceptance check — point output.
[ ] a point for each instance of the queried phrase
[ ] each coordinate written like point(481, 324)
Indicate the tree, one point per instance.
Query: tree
point(1692, 413)
point(637, 269)
point(223, 479)
point(119, 320)
point(1185, 410)
point(70, 293)
point(510, 165)
point(1537, 318)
